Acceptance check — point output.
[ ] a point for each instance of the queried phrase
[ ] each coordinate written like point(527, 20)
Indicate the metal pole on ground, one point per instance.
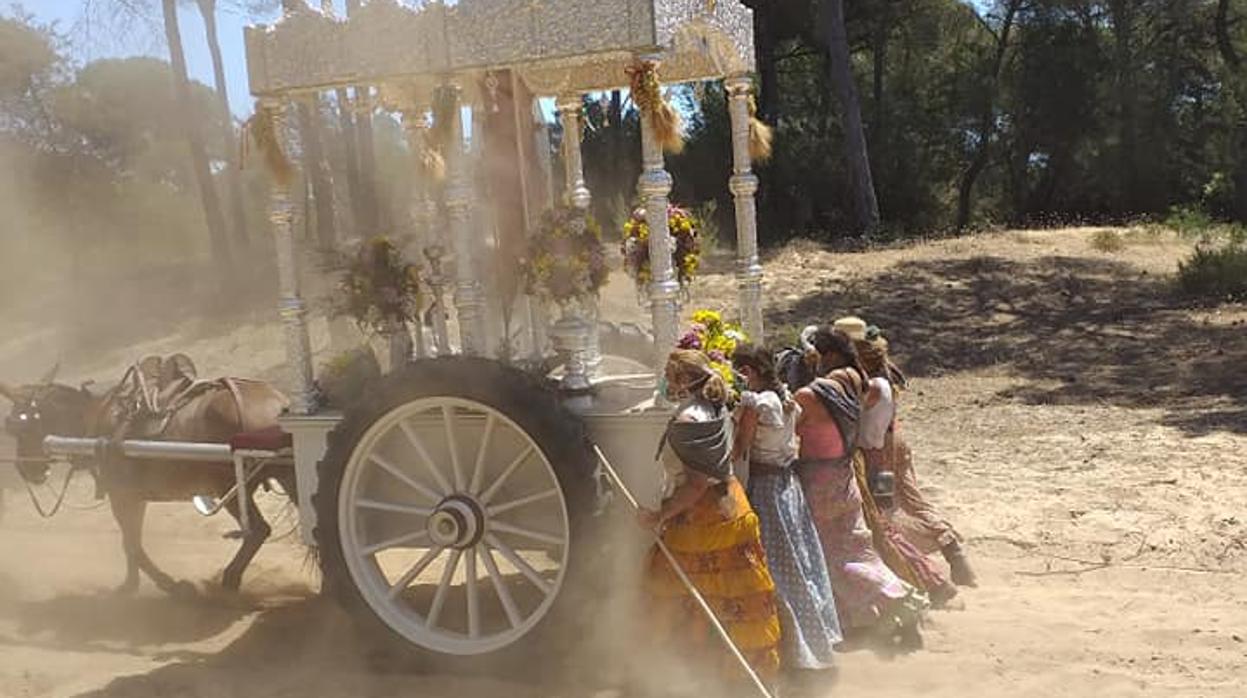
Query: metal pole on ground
point(688, 583)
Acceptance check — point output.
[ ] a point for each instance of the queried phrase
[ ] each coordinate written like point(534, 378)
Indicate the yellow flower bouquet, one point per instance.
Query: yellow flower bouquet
point(717, 339)
point(685, 253)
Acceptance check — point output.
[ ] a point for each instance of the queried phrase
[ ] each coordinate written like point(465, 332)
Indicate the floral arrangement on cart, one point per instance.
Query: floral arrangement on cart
point(565, 263)
point(380, 290)
point(377, 287)
point(685, 247)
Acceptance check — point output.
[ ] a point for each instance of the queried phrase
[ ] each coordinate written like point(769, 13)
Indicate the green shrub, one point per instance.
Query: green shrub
point(1189, 222)
point(1108, 241)
point(1216, 273)
point(1219, 195)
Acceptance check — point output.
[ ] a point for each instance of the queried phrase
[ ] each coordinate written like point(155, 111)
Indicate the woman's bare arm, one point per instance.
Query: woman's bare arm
point(685, 496)
point(745, 429)
point(873, 395)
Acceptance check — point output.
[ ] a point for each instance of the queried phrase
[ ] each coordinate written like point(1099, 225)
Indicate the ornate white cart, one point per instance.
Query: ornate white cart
point(454, 506)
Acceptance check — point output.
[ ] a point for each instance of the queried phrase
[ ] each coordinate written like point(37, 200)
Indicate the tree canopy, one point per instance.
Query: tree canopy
point(1014, 112)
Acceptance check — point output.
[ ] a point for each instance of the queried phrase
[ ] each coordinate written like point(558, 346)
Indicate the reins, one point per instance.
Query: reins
point(60, 498)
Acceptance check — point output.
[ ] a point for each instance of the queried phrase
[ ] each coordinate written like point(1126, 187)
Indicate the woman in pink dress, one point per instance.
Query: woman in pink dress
point(869, 595)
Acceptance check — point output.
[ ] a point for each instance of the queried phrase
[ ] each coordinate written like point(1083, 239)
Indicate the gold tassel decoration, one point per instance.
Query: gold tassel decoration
point(760, 135)
point(437, 135)
point(647, 93)
point(261, 130)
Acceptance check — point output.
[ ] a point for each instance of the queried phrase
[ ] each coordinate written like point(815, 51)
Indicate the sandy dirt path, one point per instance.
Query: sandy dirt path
point(1084, 429)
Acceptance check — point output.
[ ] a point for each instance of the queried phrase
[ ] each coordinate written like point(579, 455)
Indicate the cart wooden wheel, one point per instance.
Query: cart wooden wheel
point(452, 506)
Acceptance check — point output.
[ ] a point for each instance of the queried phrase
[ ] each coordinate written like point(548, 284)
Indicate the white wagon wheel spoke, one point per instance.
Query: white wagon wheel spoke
point(421, 565)
point(500, 587)
point(423, 453)
point(538, 536)
point(443, 586)
point(452, 445)
point(474, 613)
point(497, 484)
point(519, 563)
point(393, 507)
point(394, 542)
point(497, 509)
point(404, 477)
point(478, 471)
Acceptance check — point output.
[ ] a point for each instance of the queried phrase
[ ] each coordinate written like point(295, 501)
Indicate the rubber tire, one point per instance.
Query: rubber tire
point(560, 435)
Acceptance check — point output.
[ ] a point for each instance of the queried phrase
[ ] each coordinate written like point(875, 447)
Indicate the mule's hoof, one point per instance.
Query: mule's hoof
point(183, 590)
point(127, 588)
point(231, 582)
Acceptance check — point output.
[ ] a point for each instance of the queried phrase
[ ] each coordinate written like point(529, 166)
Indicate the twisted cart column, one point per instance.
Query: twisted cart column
point(469, 298)
point(744, 185)
point(290, 306)
point(654, 185)
point(421, 208)
point(578, 196)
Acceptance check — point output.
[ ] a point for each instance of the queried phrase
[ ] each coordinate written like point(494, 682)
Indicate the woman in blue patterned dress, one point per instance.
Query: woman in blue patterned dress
point(766, 438)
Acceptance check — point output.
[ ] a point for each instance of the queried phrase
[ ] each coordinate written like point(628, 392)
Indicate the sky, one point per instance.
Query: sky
point(149, 40)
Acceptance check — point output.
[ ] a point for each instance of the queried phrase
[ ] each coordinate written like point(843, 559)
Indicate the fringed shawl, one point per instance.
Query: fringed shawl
point(704, 446)
point(844, 406)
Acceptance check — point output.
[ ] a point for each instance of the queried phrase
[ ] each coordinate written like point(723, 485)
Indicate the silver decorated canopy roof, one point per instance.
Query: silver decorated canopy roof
point(558, 46)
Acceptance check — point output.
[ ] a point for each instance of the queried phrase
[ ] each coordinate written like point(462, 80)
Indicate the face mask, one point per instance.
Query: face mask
point(664, 389)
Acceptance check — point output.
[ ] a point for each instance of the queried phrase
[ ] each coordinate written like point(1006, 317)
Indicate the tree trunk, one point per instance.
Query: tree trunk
point(965, 188)
point(840, 72)
point(317, 174)
point(1238, 83)
point(346, 125)
point(369, 205)
point(1125, 88)
point(199, 156)
point(879, 53)
point(987, 120)
point(618, 149)
point(764, 40)
point(233, 178)
point(1221, 25)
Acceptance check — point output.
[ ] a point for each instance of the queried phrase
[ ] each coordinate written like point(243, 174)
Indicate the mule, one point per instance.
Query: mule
point(212, 412)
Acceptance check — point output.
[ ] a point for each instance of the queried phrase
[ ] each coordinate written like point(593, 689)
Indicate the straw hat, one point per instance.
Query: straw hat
point(853, 326)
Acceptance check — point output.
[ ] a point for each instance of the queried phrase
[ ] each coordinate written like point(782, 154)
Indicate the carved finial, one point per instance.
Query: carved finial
point(294, 7)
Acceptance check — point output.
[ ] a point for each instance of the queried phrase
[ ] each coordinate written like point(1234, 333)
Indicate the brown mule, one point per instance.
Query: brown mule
point(157, 400)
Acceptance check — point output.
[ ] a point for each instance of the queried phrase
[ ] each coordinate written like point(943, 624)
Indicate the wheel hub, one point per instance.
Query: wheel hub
point(457, 522)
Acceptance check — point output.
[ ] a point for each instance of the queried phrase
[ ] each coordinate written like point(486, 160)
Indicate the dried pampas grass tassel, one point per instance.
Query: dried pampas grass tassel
point(647, 93)
point(432, 163)
point(760, 135)
point(261, 130)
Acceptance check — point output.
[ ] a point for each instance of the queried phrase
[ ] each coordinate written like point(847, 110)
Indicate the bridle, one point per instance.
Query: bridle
point(24, 419)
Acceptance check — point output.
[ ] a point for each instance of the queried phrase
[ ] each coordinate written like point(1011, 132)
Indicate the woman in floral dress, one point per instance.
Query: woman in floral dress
point(706, 522)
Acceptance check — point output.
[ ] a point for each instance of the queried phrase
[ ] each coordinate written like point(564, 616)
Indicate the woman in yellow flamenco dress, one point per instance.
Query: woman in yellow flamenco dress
point(707, 523)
